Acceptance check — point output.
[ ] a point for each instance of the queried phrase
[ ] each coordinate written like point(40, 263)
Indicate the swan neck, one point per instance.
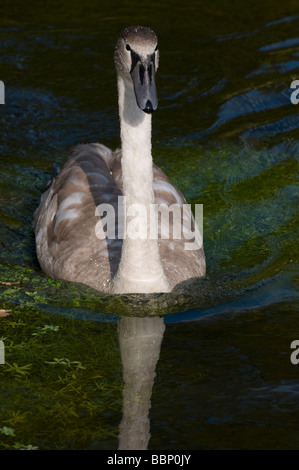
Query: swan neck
point(140, 269)
point(135, 128)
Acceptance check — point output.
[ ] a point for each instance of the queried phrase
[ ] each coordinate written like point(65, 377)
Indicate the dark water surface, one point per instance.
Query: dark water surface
point(226, 133)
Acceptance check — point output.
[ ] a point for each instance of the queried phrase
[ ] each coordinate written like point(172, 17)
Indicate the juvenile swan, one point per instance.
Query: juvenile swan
point(113, 220)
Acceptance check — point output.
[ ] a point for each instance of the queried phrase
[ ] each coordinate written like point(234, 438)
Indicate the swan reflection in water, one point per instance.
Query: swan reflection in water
point(140, 342)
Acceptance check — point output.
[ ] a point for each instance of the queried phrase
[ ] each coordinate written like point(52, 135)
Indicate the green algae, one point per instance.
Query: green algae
point(61, 382)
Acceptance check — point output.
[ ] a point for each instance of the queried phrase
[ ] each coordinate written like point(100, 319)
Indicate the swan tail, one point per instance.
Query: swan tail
point(55, 170)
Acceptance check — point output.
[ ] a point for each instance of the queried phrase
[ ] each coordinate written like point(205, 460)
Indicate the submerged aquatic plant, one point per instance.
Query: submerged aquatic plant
point(45, 329)
point(61, 385)
point(25, 447)
point(7, 431)
point(18, 370)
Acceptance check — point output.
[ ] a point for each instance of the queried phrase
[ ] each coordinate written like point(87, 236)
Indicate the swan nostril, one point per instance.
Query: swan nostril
point(148, 107)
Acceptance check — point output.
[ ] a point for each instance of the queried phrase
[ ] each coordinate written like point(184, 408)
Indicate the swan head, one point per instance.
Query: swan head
point(136, 60)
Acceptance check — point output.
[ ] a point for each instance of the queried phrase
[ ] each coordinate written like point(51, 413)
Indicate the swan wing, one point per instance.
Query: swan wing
point(67, 225)
point(180, 241)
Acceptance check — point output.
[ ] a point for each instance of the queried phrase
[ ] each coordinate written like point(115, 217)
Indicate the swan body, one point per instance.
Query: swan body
point(71, 218)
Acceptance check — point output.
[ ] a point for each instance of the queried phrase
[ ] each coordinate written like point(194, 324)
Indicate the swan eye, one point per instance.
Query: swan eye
point(128, 47)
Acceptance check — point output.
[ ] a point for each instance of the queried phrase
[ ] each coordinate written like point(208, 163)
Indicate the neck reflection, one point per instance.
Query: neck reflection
point(140, 343)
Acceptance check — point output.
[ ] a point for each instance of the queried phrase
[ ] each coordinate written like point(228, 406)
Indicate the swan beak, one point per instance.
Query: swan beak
point(143, 77)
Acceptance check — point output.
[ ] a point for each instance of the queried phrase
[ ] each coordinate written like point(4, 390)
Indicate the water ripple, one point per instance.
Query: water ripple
point(280, 45)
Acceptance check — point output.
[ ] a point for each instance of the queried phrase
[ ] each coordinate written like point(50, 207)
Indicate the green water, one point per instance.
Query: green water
point(226, 133)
